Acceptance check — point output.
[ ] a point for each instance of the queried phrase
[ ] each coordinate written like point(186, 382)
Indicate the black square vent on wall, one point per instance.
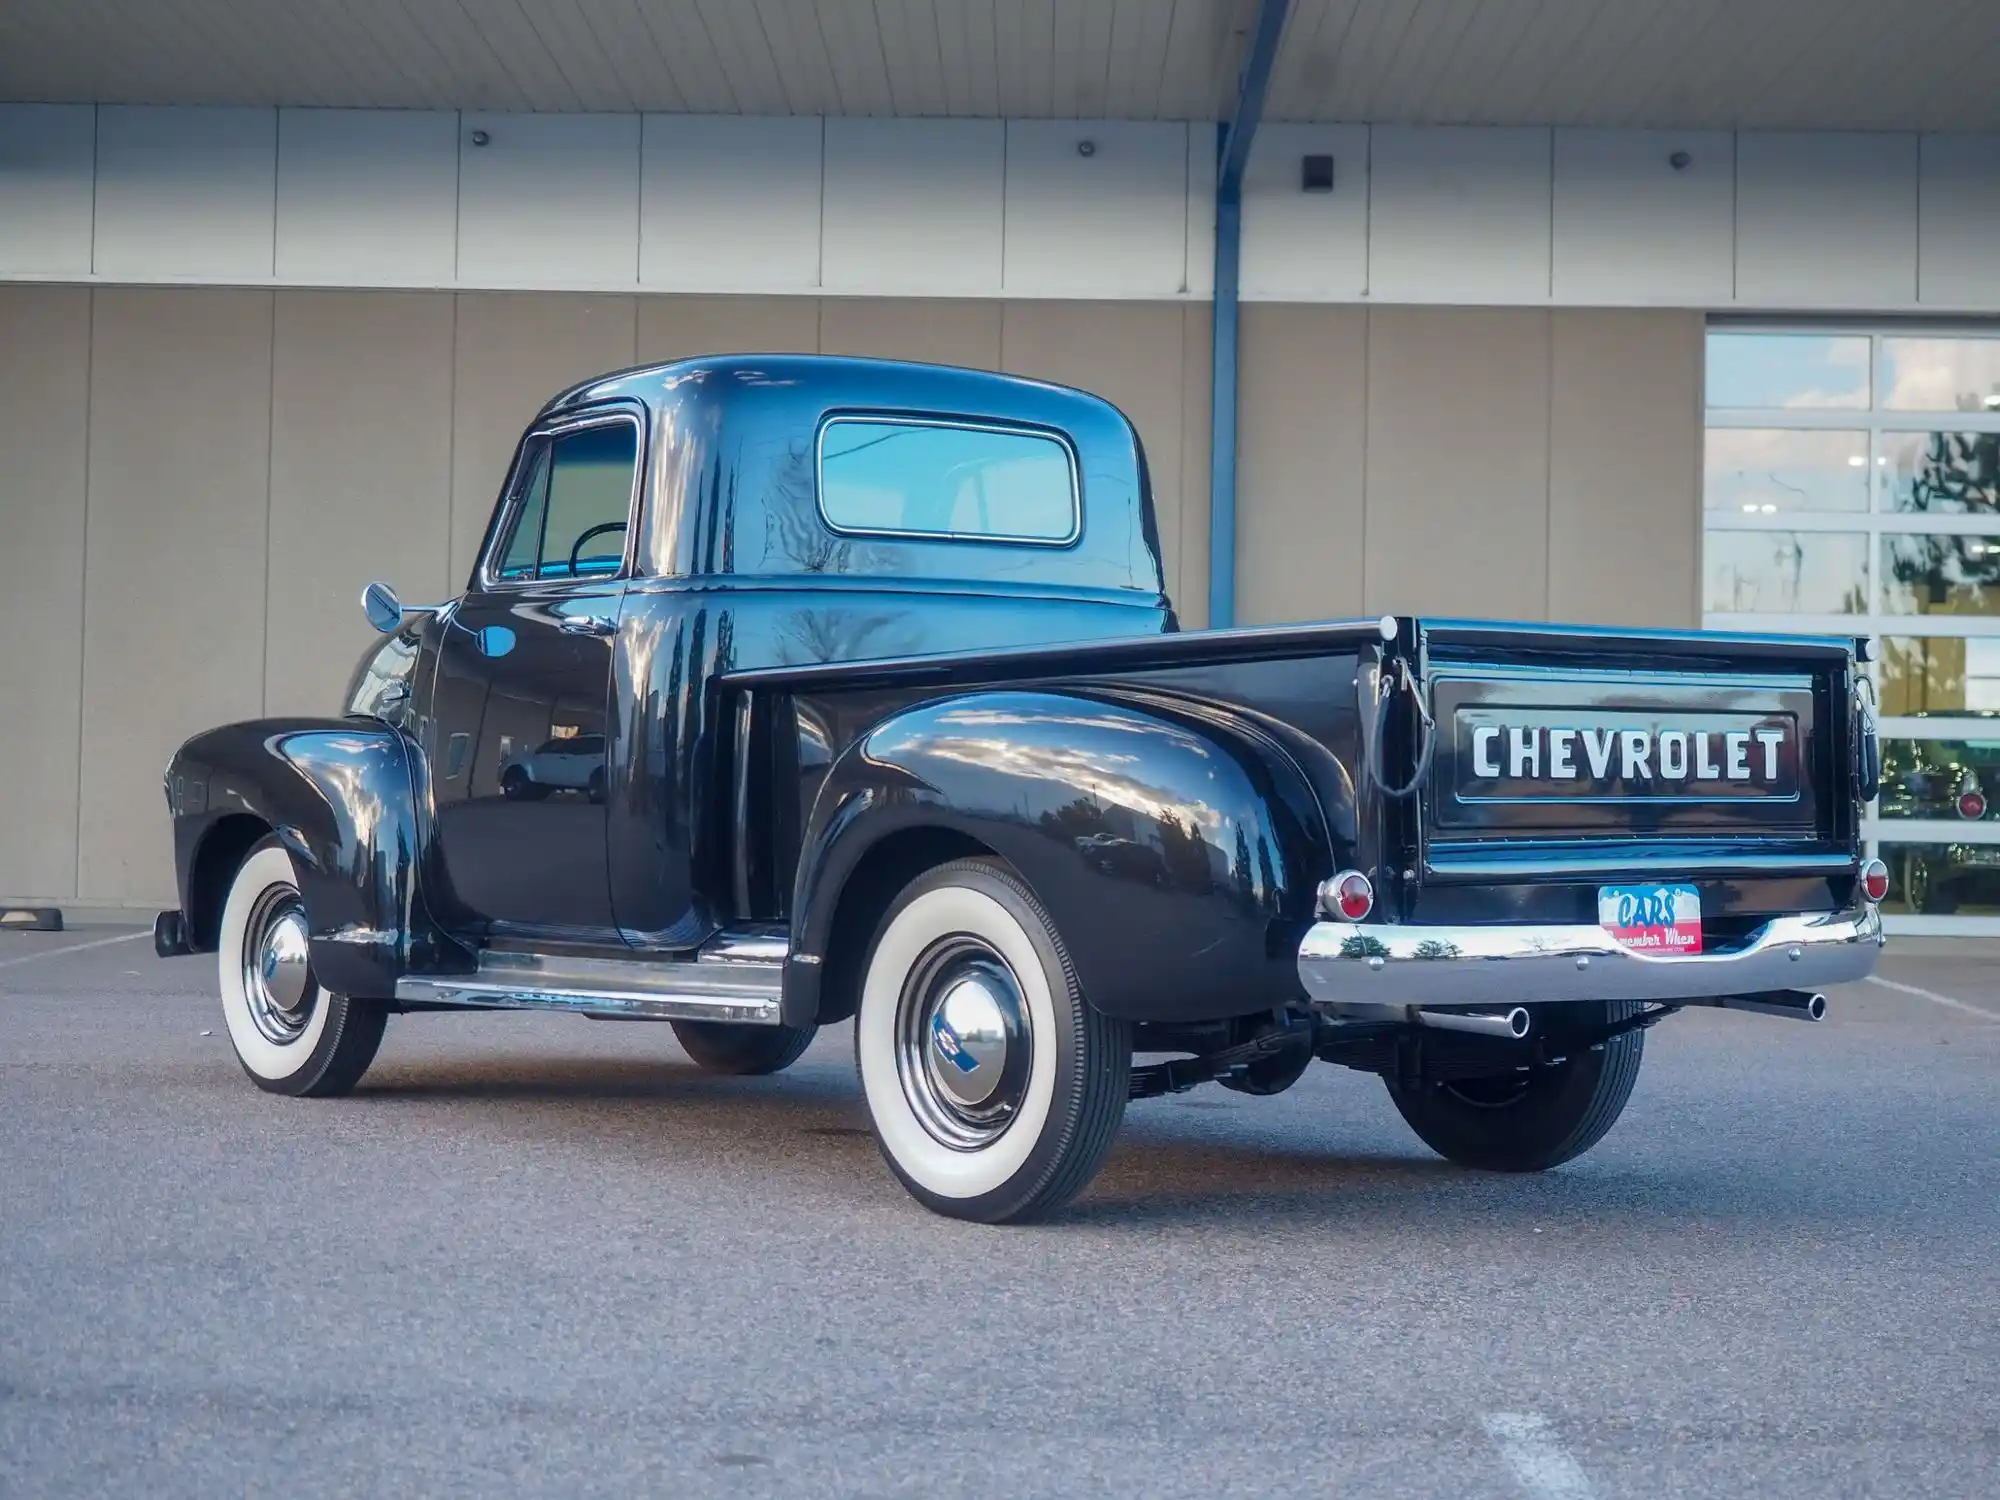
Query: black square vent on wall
point(1316, 174)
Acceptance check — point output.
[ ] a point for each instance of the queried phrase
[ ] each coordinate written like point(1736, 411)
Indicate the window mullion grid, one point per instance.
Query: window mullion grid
point(1803, 520)
point(1878, 521)
point(1891, 523)
point(1957, 627)
point(1969, 726)
point(1928, 831)
point(1878, 594)
point(1935, 926)
point(1851, 419)
point(1938, 421)
point(1792, 418)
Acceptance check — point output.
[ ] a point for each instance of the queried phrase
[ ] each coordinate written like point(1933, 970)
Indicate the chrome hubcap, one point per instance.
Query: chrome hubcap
point(277, 967)
point(963, 1044)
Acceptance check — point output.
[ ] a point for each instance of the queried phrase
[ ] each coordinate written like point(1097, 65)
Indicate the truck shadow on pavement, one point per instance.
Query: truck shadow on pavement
point(1179, 1162)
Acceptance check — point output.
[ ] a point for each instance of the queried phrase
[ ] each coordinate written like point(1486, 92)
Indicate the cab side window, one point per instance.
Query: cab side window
point(571, 505)
point(522, 556)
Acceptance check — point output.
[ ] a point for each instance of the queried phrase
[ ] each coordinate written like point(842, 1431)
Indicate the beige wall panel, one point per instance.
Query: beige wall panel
point(1132, 354)
point(1301, 437)
point(1458, 462)
point(180, 422)
point(512, 352)
point(1197, 381)
point(360, 477)
point(1625, 468)
point(44, 396)
point(683, 327)
point(937, 331)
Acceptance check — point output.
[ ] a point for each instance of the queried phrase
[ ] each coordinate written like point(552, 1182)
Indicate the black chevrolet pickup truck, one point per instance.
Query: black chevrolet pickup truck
point(790, 690)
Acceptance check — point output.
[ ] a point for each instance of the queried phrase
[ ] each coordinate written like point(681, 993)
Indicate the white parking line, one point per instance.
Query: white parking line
point(28, 958)
point(1540, 1463)
point(1934, 997)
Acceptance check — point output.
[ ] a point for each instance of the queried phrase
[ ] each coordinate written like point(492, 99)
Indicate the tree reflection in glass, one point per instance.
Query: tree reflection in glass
point(1943, 473)
point(1786, 572)
point(1941, 575)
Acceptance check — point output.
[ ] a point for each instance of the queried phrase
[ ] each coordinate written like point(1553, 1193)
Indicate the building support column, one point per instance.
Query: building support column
point(1233, 138)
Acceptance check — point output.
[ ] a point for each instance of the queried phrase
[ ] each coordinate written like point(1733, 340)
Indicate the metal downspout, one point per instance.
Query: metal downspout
point(1233, 139)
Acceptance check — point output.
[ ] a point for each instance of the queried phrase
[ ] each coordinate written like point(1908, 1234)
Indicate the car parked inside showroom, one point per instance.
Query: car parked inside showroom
point(1950, 782)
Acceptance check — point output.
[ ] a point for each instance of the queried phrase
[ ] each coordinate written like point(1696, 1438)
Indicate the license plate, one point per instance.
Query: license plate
point(1653, 918)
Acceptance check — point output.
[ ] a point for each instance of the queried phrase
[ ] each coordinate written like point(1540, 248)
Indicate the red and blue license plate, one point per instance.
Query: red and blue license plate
point(1652, 918)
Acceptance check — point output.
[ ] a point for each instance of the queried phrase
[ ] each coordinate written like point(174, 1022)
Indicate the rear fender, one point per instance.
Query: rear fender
point(346, 797)
point(1177, 849)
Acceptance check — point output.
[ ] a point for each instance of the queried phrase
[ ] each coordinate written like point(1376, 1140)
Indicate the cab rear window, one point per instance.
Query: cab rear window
point(880, 476)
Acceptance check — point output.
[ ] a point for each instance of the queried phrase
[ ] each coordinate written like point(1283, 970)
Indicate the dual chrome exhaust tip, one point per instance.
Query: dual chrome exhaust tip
point(1793, 1005)
point(1514, 1023)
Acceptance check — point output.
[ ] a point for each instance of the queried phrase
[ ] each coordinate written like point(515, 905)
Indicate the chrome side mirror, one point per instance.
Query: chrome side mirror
point(383, 608)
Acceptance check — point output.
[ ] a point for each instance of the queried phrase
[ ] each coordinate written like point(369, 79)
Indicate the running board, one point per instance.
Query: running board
point(732, 979)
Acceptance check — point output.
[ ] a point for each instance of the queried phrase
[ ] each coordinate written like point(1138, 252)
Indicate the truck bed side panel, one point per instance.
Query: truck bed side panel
point(1175, 802)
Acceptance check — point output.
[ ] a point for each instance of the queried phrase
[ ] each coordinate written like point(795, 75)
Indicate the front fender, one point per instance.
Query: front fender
point(344, 796)
point(1177, 848)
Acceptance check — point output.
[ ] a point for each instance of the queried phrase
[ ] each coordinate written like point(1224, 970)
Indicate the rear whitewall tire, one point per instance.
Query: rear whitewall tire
point(325, 1043)
point(1078, 1071)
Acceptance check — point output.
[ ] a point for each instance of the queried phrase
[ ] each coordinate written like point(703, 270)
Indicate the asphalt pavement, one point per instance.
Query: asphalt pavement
point(545, 1256)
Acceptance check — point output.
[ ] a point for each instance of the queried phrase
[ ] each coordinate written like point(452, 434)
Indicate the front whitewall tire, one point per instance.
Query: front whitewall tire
point(1063, 1107)
point(320, 1043)
point(267, 871)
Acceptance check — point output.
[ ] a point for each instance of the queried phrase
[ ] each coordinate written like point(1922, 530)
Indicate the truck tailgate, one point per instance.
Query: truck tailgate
point(1566, 755)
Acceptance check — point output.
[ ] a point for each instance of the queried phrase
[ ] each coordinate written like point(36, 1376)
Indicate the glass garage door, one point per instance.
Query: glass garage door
point(1852, 486)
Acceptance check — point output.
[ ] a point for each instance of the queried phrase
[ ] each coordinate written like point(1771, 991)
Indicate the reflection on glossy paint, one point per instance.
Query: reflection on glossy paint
point(381, 684)
point(1195, 842)
point(813, 636)
point(1138, 804)
point(1075, 769)
point(350, 772)
point(344, 799)
point(1038, 748)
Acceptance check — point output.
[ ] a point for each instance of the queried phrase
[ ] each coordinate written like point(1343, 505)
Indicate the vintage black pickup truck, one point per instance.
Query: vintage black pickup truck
point(790, 690)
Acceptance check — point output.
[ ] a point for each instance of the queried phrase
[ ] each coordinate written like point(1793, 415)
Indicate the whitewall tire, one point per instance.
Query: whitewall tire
point(291, 1035)
point(994, 1088)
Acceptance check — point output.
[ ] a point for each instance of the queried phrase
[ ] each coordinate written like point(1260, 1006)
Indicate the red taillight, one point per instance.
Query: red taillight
point(1349, 895)
point(1972, 804)
point(1874, 880)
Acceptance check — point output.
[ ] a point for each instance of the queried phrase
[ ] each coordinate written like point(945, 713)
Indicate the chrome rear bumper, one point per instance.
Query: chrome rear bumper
point(1359, 964)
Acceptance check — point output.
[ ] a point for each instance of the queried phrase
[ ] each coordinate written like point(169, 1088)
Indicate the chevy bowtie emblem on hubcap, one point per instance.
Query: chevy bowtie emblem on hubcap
point(949, 1047)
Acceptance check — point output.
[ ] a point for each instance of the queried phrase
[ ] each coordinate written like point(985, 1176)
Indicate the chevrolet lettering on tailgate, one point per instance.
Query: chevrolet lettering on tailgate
point(1533, 752)
point(1687, 742)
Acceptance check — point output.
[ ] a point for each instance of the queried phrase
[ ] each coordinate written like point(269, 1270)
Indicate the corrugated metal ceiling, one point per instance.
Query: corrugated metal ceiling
point(1810, 64)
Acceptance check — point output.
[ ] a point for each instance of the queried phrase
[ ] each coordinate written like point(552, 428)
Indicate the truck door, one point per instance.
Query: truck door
point(517, 731)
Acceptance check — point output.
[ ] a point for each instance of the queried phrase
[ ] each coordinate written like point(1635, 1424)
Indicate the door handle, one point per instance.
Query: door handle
point(595, 625)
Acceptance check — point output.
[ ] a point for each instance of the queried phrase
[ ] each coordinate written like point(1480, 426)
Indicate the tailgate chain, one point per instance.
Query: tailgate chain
point(1385, 689)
